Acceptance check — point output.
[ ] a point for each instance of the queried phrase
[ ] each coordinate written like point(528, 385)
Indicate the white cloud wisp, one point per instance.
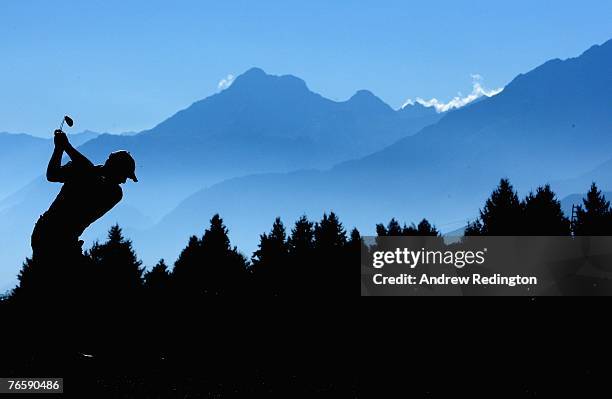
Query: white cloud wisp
point(225, 82)
point(478, 90)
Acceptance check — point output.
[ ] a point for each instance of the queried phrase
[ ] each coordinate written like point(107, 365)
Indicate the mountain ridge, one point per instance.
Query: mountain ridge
point(231, 133)
point(533, 132)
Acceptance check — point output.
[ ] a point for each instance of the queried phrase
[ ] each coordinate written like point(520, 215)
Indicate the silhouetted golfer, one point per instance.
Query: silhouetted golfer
point(89, 191)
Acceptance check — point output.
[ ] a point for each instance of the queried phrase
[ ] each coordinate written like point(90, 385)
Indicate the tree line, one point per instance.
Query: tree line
point(540, 214)
point(309, 259)
point(285, 263)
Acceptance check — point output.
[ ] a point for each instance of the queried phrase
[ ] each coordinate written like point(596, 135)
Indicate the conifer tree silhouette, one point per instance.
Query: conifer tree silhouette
point(226, 268)
point(210, 266)
point(355, 248)
point(186, 272)
point(30, 283)
point(158, 287)
point(542, 214)
point(428, 235)
point(301, 241)
point(301, 256)
point(594, 216)
point(329, 233)
point(119, 272)
point(354, 243)
point(270, 261)
point(424, 228)
point(392, 229)
point(56, 281)
point(157, 280)
point(330, 256)
point(502, 214)
point(473, 228)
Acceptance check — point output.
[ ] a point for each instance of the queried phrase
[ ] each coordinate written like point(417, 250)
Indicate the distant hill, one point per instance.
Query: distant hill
point(78, 139)
point(548, 124)
point(262, 123)
point(234, 153)
point(23, 157)
point(601, 174)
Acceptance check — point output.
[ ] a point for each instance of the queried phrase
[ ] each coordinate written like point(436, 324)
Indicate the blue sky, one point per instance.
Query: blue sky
point(127, 65)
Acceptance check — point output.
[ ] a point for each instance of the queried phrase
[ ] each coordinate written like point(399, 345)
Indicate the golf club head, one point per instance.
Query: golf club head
point(68, 120)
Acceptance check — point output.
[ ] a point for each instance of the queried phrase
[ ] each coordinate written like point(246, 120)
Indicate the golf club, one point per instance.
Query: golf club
point(68, 120)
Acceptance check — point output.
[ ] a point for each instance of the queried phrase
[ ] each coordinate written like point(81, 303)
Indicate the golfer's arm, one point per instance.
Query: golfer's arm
point(54, 168)
point(76, 156)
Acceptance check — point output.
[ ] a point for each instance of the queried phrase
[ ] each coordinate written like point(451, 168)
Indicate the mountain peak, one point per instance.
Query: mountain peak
point(366, 98)
point(257, 79)
point(363, 94)
point(254, 72)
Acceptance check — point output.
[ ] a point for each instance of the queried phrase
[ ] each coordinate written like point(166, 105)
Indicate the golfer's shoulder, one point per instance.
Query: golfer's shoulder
point(116, 192)
point(79, 170)
point(113, 193)
point(83, 165)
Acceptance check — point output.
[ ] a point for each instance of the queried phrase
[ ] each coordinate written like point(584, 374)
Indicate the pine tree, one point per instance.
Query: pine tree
point(301, 241)
point(119, 271)
point(30, 282)
point(330, 255)
point(424, 228)
point(594, 216)
point(226, 268)
point(502, 212)
point(301, 257)
point(157, 279)
point(185, 273)
point(210, 266)
point(543, 216)
point(270, 261)
point(272, 246)
point(473, 228)
point(354, 242)
point(329, 233)
point(355, 248)
point(393, 229)
point(65, 282)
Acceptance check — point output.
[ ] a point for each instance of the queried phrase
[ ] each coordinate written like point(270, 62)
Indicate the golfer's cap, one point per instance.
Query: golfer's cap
point(125, 163)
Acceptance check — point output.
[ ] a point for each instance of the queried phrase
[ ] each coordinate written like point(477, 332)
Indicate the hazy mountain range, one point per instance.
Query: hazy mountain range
point(267, 146)
point(262, 123)
point(23, 157)
point(549, 124)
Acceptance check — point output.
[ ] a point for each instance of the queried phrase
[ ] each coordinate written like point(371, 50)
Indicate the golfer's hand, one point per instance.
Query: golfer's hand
point(60, 139)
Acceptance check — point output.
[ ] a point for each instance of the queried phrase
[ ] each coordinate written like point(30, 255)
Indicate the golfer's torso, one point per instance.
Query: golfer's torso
point(80, 203)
